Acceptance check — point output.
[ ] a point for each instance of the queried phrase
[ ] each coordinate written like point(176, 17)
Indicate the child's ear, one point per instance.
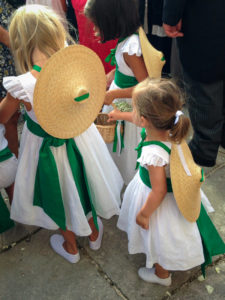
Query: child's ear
point(144, 122)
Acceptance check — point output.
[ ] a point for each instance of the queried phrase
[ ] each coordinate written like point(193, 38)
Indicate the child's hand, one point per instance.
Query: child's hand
point(114, 115)
point(142, 220)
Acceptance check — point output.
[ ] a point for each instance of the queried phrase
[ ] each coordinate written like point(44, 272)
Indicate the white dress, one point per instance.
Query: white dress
point(126, 161)
point(7, 167)
point(104, 179)
point(171, 240)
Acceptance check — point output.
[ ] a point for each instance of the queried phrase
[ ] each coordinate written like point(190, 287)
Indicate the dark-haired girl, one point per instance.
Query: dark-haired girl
point(120, 19)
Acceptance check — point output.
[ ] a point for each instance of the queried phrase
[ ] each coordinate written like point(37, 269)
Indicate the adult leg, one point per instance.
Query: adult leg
point(205, 105)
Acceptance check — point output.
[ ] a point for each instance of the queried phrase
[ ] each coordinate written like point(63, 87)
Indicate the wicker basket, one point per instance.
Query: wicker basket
point(106, 129)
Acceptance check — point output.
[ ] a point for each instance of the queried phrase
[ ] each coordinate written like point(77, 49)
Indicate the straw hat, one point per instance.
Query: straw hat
point(186, 179)
point(154, 59)
point(69, 92)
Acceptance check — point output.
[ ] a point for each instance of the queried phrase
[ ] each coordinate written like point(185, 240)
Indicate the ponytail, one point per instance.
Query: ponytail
point(180, 130)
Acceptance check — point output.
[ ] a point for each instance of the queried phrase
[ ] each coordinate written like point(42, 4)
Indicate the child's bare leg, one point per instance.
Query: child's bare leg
point(160, 272)
point(70, 244)
point(95, 239)
point(94, 235)
point(9, 191)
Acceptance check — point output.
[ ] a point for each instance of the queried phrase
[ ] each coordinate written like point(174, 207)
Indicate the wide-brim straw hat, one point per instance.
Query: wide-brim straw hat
point(154, 59)
point(186, 179)
point(69, 92)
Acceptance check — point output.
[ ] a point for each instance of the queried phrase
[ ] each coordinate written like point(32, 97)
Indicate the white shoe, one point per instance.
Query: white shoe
point(148, 275)
point(56, 242)
point(97, 244)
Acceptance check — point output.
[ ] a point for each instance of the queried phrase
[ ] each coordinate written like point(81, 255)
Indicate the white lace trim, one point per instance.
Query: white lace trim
point(154, 155)
point(152, 160)
point(13, 85)
point(132, 46)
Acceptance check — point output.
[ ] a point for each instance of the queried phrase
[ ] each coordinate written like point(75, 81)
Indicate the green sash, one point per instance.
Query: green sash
point(47, 192)
point(5, 154)
point(211, 241)
point(5, 221)
point(119, 137)
point(122, 81)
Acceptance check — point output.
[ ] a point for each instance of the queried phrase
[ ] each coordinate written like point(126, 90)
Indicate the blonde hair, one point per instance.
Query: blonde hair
point(35, 26)
point(158, 100)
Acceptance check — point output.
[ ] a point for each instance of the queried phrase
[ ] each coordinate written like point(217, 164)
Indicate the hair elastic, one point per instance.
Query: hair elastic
point(177, 115)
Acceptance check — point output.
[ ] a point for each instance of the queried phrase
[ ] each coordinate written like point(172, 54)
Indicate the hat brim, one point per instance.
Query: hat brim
point(185, 177)
point(154, 59)
point(65, 73)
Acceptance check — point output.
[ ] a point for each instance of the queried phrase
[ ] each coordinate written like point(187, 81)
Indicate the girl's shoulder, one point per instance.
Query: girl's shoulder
point(131, 45)
point(155, 155)
point(20, 87)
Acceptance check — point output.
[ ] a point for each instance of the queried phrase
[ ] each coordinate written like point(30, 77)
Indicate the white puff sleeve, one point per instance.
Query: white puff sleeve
point(14, 86)
point(153, 156)
point(132, 45)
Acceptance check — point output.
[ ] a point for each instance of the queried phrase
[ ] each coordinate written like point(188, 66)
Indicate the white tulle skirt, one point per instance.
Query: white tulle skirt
point(171, 240)
point(104, 179)
point(126, 160)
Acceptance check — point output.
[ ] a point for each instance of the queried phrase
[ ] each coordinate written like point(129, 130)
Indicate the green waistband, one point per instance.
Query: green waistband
point(5, 154)
point(124, 81)
point(47, 191)
point(143, 172)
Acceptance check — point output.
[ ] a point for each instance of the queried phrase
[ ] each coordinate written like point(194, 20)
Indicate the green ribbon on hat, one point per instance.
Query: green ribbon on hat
point(82, 97)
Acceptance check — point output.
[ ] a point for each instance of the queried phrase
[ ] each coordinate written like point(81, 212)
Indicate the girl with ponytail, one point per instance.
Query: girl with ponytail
point(149, 213)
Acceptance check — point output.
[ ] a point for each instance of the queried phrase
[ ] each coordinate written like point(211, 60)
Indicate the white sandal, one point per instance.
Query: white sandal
point(56, 242)
point(149, 275)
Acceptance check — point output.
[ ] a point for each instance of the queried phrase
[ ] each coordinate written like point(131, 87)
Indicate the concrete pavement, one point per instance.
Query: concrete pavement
point(30, 270)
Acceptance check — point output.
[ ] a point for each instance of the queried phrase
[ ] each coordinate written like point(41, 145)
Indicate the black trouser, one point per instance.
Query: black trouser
point(206, 105)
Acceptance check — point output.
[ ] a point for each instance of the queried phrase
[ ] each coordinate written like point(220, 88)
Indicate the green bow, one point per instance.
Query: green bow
point(111, 57)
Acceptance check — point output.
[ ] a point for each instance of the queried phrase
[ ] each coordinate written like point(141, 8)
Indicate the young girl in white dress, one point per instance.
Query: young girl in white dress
point(36, 33)
point(149, 212)
point(120, 19)
point(8, 167)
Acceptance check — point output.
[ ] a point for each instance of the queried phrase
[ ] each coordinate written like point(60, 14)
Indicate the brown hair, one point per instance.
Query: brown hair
point(158, 100)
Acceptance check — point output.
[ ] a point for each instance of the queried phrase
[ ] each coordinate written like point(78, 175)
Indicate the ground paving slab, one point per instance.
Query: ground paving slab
point(30, 270)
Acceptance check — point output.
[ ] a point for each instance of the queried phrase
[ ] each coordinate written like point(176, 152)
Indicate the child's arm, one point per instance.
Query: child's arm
point(109, 78)
point(8, 107)
point(159, 189)
point(137, 65)
point(4, 36)
point(116, 114)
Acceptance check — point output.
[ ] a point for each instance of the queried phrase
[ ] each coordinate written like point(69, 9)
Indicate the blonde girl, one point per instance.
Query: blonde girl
point(36, 33)
point(149, 213)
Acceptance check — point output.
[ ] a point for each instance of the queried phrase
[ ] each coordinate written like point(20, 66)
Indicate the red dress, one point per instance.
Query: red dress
point(86, 35)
